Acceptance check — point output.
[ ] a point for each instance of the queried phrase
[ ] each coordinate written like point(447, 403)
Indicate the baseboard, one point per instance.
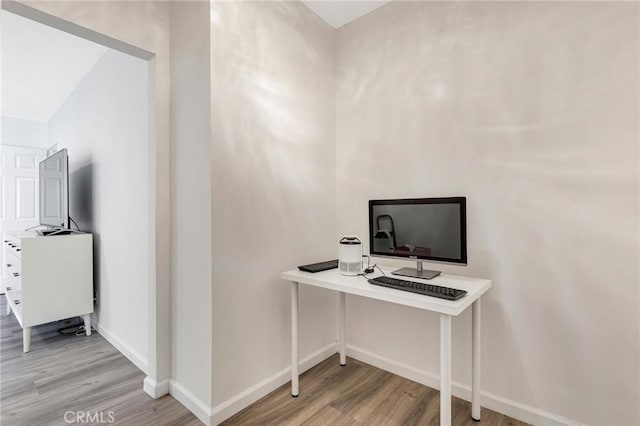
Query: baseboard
point(123, 348)
point(497, 403)
point(155, 389)
point(223, 411)
point(201, 410)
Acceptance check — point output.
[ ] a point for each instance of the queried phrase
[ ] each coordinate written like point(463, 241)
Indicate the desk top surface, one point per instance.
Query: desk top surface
point(359, 286)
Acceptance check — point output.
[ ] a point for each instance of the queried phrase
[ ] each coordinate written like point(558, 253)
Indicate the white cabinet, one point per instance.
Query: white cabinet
point(47, 278)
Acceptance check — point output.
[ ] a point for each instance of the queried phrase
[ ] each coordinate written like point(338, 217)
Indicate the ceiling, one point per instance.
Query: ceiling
point(340, 12)
point(40, 67)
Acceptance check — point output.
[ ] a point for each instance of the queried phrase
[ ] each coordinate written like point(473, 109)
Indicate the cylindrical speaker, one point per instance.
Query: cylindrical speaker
point(350, 255)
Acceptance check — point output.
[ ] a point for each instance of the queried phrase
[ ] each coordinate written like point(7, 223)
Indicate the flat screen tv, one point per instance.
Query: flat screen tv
point(432, 229)
point(54, 190)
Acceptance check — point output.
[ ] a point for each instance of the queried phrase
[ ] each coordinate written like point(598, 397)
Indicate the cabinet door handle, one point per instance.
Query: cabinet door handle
point(9, 265)
point(16, 301)
point(8, 288)
point(15, 274)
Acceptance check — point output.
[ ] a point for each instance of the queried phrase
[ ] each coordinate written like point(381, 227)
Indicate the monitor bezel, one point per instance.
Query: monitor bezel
point(460, 201)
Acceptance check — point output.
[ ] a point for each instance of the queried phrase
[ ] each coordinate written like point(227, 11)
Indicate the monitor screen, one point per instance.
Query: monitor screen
point(420, 228)
point(54, 190)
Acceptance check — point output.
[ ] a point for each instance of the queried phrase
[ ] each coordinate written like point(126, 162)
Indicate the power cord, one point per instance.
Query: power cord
point(70, 329)
point(81, 330)
point(74, 222)
point(75, 329)
point(370, 270)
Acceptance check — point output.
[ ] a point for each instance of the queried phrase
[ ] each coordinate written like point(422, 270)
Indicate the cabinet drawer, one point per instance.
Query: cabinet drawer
point(14, 299)
point(11, 287)
point(12, 263)
point(12, 245)
point(12, 274)
point(13, 281)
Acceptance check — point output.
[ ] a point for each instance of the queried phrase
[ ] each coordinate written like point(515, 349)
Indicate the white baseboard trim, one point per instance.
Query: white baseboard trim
point(219, 413)
point(123, 348)
point(497, 403)
point(201, 410)
point(223, 411)
point(155, 389)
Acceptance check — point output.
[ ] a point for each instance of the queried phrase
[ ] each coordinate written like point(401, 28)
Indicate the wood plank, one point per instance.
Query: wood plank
point(358, 394)
point(86, 373)
point(74, 373)
point(328, 415)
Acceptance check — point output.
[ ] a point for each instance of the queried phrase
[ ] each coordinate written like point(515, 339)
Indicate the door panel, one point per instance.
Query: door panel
point(26, 162)
point(26, 198)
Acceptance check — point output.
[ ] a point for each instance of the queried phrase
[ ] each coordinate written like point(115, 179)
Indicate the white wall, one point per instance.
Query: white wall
point(530, 110)
point(104, 126)
point(536, 125)
point(142, 25)
point(273, 191)
point(191, 288)
point(23, 132)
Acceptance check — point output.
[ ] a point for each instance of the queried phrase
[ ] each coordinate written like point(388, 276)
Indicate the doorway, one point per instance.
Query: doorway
point(109, 131)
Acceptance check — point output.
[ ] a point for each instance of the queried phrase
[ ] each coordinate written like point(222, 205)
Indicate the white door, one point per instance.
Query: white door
point(19, 188)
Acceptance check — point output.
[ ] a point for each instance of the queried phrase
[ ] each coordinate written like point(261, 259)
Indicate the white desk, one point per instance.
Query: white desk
point(332, 280)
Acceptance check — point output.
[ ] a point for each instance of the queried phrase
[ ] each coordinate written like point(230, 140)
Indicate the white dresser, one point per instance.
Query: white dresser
point(47, 279)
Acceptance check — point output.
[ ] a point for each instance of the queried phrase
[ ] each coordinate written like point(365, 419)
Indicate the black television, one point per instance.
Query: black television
point(54, 191)
point(432, 229)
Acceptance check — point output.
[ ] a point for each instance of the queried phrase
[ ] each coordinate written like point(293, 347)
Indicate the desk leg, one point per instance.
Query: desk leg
point(445, 370)
point(475, 360)
point(294, 340)
point(343, 328)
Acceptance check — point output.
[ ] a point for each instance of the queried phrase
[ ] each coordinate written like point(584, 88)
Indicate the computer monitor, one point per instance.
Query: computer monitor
point(432, 229)
point(54, 191)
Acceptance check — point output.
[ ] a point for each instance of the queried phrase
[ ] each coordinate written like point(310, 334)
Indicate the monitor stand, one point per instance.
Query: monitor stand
point(417, 272)
point(47, 231)
point(58, 231)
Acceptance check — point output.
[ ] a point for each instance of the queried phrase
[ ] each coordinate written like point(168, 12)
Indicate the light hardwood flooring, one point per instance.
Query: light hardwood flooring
point(87, 374)
point(358, 394)
point(74, 373)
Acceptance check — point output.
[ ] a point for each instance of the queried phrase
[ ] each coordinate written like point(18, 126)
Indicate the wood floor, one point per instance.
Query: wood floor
point(79, 374)
point(87, 374)
point(358, 394)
